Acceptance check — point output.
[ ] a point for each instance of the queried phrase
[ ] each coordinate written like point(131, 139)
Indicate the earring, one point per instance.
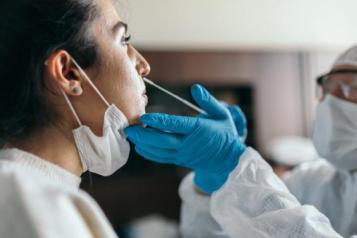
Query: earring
point(76, 90)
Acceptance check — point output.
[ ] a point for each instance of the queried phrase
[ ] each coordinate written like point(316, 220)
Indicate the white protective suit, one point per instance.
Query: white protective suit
point(254, 202)
point(331, 185)
point(332, 191)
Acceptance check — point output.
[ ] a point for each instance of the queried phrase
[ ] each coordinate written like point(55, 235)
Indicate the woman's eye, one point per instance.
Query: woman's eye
point(126, 39)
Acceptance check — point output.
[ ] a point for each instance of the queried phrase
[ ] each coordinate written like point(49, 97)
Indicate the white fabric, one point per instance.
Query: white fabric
point(41, 200)
point(254, 202)
point(332, 191)
point(335, 132)
point(104, 154)
point(348, 57)
point(196, 220)
point(154, 226)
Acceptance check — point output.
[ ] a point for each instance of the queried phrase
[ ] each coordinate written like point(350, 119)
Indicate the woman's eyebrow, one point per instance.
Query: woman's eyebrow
point(120, 25)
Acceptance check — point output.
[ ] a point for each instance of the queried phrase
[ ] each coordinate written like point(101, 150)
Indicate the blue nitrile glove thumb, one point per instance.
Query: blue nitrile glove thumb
point(208, 145)
point(239, 119)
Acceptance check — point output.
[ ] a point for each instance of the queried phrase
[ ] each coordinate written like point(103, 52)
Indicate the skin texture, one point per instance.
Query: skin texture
point(117, 75)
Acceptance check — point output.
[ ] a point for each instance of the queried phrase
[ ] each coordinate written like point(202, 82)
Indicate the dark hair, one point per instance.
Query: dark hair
point(30, 31)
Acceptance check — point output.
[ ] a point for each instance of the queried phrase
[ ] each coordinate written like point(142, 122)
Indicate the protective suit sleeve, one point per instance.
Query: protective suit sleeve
point(321, 184)
point(254, 202)
point(196, 220)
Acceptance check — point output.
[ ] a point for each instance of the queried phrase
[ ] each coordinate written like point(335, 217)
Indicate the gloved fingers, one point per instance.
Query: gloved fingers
point(158, 152)
point(224, 103)
point(152, 157)
point(208, 103)
point(237, 114)
point(151, 137)
point(171, 123)
point(239, 119)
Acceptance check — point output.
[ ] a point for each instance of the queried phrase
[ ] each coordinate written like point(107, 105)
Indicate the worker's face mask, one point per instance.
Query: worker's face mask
point(335, 132)
point(104, 154)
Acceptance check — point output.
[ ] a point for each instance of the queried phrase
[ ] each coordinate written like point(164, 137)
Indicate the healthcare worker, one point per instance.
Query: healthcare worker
point(253, 201)
point(331, 185)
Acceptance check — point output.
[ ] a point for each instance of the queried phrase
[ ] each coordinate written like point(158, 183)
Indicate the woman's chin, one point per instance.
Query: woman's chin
point(135, 120)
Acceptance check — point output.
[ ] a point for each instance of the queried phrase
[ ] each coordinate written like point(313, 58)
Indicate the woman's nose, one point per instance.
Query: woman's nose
point(142, 66)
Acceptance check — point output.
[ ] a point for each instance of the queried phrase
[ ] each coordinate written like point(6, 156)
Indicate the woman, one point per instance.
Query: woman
point(70, 83)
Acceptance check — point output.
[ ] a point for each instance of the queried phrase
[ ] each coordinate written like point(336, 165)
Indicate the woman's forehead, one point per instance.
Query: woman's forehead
point(109, 11)
point(108, 16)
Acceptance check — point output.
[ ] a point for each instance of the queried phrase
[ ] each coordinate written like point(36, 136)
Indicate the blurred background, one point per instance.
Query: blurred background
point(263, 55)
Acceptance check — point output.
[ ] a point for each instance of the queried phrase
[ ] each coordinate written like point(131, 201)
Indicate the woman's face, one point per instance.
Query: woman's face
point(117, 74)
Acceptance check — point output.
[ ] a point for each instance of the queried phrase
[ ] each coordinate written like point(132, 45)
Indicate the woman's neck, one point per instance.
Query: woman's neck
point(54, 145)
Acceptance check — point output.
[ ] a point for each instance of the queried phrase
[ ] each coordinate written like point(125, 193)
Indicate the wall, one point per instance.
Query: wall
point(237, 24)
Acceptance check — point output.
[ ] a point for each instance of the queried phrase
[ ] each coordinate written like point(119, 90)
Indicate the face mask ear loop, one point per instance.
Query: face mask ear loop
point(71, 107)
point(90, 82)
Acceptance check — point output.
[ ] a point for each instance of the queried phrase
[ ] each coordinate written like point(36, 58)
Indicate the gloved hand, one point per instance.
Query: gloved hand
point(239, 119)
point(209, 145)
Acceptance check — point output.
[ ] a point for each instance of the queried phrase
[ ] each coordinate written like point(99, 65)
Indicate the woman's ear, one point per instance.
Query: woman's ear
point(64, 74)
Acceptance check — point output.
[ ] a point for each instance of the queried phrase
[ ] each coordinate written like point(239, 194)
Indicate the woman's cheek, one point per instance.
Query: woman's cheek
point(133, 110)
point(140, 110)
point(135, 119)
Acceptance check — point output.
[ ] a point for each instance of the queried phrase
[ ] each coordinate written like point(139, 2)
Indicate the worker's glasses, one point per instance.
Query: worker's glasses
point(341, 83)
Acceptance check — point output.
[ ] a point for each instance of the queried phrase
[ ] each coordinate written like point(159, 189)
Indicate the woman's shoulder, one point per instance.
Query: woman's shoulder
point(24, 188)
point(45, 199)
point(17, 178)
point(38, 206)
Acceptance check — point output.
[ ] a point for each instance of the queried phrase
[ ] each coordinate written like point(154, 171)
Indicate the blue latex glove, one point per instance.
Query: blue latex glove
point(240, 121)
point(209, 145)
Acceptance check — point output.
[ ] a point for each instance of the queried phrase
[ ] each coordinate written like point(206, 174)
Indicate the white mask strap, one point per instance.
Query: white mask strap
point(90, 82)
point(71, 107)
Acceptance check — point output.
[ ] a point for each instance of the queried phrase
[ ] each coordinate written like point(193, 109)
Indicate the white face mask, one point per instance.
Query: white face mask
point(104, 154)
point(335, 132)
